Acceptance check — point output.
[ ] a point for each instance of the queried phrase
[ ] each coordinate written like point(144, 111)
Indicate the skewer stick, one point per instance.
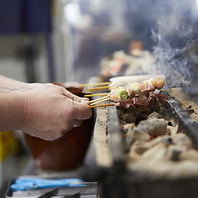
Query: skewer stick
point(98, 88)
point(98, 99)
point(102, 105)
point(95, 84)
point(99, 94)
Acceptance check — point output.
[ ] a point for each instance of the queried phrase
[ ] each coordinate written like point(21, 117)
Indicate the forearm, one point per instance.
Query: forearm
point(8, 85)
point(11, 85)
point(11, 110)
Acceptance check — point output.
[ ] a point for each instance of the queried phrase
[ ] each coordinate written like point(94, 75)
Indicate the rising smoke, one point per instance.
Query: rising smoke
point(174, 34)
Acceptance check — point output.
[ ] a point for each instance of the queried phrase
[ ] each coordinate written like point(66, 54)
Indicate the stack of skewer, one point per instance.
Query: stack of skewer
point(147, 82)
point(103, 97)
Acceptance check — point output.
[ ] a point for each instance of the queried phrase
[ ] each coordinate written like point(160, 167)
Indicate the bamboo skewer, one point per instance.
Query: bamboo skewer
point(102, 105)
point(98, 88)
point(99, 94)
point(99, 101)
point(95, 84)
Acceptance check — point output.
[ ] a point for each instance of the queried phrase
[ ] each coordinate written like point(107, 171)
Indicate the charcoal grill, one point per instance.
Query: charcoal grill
point(111, 170)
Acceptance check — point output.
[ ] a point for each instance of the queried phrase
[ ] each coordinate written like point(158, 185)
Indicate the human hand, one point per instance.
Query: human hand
point(50, 111)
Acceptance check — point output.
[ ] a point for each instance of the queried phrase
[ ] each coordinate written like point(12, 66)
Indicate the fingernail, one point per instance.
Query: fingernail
point(85, 101)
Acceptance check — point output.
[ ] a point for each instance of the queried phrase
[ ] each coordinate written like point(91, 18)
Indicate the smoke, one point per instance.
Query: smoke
point(174, 34)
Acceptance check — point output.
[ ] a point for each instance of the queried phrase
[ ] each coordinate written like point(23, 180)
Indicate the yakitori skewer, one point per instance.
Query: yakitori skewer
point(102, 105)
point(99, 99)
point(99, 94)
point(134, 90)
point(95, 84)
point(98, 88)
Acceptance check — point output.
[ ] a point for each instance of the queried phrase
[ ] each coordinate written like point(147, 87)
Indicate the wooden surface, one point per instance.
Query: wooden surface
point(101, 138)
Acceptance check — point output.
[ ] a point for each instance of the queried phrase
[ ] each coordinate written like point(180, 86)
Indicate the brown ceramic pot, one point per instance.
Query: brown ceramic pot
point(66, 153)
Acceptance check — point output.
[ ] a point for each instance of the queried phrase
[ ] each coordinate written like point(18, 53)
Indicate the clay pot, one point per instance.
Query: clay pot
point(65, 153)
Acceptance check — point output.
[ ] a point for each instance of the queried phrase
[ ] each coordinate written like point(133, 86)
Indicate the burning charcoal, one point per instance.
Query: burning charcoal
point(140, 147)
point(172, 127)
point(127, 117)
point(165, 113)
point(174, 152)
point(140, 135)
point(156, 153)
point(147, 149)
point(127, 126)
point(182, 139)
point(166, 140)
point(153, 127)
point(133, 156)
point(132, 135)
point(155, 115)
point(190, 154)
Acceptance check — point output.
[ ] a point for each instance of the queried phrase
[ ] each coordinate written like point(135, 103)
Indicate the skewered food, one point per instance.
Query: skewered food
point(139, 96)
point(141, 90)
point(136, 101)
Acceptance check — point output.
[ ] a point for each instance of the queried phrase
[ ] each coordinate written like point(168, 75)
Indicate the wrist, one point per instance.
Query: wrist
point(12, 107)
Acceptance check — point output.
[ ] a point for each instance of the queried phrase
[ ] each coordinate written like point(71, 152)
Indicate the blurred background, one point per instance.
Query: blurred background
point(73, 40)
point(66, 40)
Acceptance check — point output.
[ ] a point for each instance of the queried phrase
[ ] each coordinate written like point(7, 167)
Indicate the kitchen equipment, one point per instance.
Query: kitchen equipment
point(118, 178)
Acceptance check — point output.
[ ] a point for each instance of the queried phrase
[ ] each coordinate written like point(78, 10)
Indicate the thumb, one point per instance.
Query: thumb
point(82, 112)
